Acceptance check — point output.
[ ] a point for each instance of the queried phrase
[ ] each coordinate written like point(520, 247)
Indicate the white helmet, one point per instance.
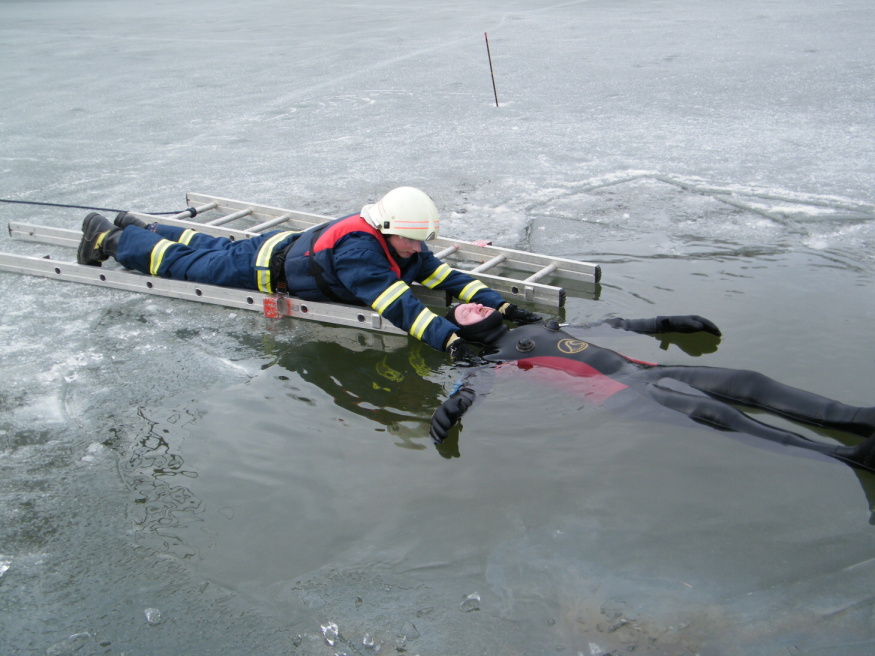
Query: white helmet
point(404, 211)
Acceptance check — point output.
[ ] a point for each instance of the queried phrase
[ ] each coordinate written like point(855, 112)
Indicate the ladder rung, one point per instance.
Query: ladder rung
point(498, 259)
point(222, 220)
point(452, 248)
point(546, 271)
point(182, 216)
point(261, 227)
point(202, 208)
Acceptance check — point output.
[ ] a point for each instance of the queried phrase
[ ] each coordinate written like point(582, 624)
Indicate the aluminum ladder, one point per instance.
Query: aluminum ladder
point(475, 258)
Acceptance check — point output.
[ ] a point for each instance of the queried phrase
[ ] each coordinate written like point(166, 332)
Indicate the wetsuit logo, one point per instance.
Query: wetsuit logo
point(572, 345)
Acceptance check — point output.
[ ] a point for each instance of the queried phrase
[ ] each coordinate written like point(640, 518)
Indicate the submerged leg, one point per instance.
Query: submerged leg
point(717, 414)
point(759, 391)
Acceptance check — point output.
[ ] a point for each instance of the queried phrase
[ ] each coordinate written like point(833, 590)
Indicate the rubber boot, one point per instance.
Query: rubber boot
point(110, 243)
point(96, 229)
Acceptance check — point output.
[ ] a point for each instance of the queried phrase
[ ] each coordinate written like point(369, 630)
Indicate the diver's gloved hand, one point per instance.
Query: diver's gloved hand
point(691, 323)
point(449, 413)
point(519, 316)
point(461, 352)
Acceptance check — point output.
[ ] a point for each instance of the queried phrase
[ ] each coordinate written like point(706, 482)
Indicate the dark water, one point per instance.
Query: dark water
point(279, 474)
point(309, 486)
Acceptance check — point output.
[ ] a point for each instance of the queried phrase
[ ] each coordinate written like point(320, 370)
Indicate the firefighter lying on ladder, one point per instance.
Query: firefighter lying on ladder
point(370, 258)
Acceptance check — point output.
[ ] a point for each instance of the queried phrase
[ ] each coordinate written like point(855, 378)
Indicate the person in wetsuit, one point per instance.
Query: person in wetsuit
point(371, 258)
point(702, 393)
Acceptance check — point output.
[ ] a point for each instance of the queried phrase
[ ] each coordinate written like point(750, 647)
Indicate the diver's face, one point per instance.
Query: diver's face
point(468, 314)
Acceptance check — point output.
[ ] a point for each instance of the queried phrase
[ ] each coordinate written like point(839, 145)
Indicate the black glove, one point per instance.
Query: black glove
point(461, 353)
point(519, 316)
point(451, 410)
point(691, 323)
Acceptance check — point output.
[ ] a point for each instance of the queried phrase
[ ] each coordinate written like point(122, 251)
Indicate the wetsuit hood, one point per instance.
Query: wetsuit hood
point(487, 331)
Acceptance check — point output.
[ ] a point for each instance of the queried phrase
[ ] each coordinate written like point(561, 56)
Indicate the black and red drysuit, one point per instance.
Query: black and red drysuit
point(702, 393)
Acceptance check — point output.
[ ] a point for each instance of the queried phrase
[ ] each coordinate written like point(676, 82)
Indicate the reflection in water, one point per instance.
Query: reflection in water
point(391, 380)
point(161, 508)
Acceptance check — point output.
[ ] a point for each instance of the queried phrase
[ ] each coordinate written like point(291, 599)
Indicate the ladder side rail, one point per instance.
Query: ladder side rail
point(137, 282)
point(45, 234)
point(268, 211)
point(216, 227)
point(205, 228)
point(127, 281)
point(523, 260)
point(344, 315)
point(241, 299)
point(511, 289)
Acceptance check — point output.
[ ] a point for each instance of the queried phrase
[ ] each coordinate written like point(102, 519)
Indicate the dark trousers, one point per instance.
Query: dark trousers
point(182, 254)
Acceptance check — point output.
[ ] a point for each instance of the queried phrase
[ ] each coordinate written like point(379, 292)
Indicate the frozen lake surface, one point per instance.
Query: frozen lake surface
point(178, 478)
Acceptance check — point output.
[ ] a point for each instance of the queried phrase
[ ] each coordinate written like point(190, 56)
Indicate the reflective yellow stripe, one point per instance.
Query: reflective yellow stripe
point(262, 261)
point(186, 237)
point(389, 296)
point(470, 290)
point(438, 276)
point(422, 321)
point(388, 372)
point(157, 255)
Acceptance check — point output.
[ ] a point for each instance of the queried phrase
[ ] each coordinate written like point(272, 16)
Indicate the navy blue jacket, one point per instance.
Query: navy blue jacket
point(360, 268)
